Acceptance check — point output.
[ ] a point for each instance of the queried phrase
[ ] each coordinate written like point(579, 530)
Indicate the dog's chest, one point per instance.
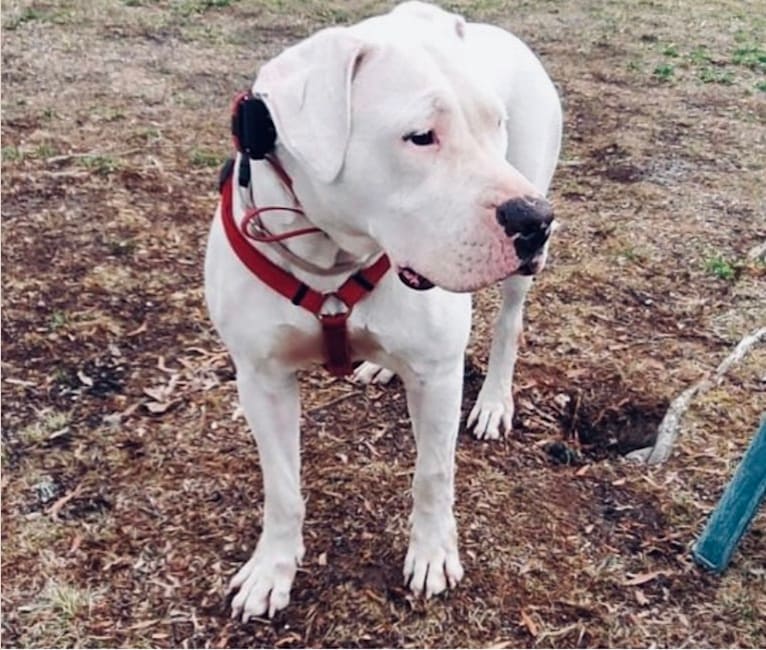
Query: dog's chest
point(296, 347)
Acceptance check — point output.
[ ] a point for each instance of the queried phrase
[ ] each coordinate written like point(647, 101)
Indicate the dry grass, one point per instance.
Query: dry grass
point(131, 489)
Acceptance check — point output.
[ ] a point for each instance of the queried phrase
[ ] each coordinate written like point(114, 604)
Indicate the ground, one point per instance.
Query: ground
point(130, 486)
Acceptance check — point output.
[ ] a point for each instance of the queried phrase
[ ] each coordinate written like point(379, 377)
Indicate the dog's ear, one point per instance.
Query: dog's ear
point(307, 90)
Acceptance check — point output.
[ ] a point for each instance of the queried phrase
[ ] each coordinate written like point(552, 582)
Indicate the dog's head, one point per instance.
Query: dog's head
point(390, 141)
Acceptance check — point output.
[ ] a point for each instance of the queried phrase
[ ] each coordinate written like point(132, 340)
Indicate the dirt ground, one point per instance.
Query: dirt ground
point(130, 486)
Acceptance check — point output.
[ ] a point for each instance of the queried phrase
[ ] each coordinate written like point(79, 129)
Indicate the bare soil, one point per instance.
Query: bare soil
point(130, 486)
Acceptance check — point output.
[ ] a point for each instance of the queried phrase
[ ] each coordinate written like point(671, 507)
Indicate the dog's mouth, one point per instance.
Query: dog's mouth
point(532, 267)
point(414, 280)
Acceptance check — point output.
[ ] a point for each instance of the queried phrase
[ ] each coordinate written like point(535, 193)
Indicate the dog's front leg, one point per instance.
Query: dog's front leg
point(432, 563)
point(272, 408)
point(493, 410)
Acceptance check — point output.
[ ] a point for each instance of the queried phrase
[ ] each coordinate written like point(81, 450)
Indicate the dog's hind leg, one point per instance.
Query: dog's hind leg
point(272, 408)
point(432, 563)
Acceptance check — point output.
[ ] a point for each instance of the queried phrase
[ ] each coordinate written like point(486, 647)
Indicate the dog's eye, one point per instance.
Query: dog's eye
point(421, 138)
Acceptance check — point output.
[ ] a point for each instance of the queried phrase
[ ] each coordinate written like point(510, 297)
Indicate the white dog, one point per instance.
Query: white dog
point(414, 142)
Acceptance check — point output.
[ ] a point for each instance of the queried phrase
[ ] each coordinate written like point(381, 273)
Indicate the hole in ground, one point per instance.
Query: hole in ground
point(610, 418)
point(599, 415)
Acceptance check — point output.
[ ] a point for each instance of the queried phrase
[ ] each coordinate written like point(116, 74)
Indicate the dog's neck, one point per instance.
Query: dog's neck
point(320, 250)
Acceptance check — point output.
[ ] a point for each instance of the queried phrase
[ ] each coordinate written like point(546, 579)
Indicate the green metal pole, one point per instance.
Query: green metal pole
point(736, 508)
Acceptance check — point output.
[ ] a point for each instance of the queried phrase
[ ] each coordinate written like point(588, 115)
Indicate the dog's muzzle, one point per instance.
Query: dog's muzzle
point(529, 221)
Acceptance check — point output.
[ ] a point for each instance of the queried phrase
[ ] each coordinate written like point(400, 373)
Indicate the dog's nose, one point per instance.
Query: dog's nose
point(529, 220)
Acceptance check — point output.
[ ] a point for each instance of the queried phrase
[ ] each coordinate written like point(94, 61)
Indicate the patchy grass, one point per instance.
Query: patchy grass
point(187, 7)
point(45, 150)
point(753, 57)
point(15, 17)
point(104, 165)
point(11, 153)
point(61, 606)
point(664, 72)
point(66, 600)
point(712, 75)
point(200, 158)
point(49, 425)
point(131, 489)
point(721, 268)
point(725, 64)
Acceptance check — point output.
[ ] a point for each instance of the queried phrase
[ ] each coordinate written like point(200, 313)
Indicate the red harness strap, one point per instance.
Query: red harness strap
point(334, 330)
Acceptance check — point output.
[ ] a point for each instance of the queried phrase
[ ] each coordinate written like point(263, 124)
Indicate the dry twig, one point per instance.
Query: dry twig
point(668, 430)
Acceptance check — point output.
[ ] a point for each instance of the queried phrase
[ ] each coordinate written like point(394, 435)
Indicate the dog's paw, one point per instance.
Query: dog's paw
point(430, 568)
point(264, 584)
point(372, 373)
point(491, 416)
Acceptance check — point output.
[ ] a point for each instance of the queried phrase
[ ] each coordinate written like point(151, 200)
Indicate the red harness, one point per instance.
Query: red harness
point(334, 330)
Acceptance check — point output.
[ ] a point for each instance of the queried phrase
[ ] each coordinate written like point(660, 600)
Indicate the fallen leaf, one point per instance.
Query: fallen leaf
point(529, 624)
point(75, 543)
point(60, 503)
point(157, 394)
point(18, 382)
point(58, 433)
point(159, 407)
point(376, 597)
point(643, 578)
point(161, 365)
point(139, 330)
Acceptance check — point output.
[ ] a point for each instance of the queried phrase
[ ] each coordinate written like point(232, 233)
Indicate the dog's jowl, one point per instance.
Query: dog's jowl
point(383, 172)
